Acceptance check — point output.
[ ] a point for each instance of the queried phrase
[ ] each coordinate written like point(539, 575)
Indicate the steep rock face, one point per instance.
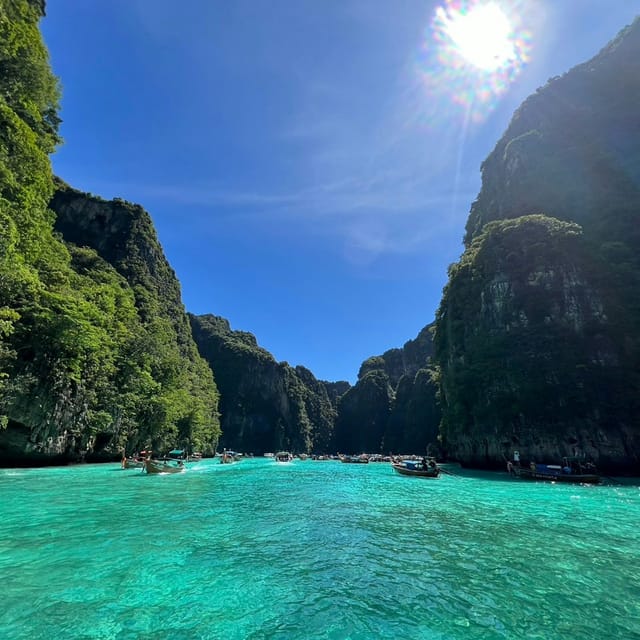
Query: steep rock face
point(405, 361)
point(413, 424)
point(392, 407)
point(335, 390)
point(123, 235)
point(180, 407)
point(363, 413)
point(265, 405)
point(537, 335)
point(571, 149)
point(529, 357)
point(108, 362)
point(61, 388)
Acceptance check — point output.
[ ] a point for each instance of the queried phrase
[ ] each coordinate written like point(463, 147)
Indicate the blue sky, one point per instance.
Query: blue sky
point(309, 165)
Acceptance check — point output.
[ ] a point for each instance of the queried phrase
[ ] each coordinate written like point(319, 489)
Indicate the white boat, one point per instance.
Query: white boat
point(283, 456)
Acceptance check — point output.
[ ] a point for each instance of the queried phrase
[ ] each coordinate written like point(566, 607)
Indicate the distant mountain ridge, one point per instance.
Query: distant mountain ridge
point(392, 407)
point(265, 405)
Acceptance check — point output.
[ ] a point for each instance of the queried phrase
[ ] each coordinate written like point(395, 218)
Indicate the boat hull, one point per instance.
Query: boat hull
point(569, 478)
point(133, 464)
point(416, 473)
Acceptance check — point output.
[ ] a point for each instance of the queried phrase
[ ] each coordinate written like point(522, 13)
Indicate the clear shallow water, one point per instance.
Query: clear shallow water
point(260, 550)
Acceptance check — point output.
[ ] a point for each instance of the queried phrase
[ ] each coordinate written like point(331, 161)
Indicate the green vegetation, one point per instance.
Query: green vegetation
point(95, 353)
point(514, 326)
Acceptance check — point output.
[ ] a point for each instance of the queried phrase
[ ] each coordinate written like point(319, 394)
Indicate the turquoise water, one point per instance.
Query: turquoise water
point(312, 549)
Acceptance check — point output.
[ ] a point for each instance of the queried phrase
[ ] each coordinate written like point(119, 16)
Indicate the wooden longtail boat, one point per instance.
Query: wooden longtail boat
point(417, 469)
point(229, 457)
point(555, 473)
point(133, 463)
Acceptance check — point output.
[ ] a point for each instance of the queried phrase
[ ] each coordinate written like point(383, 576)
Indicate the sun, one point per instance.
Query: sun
point(472, 53)
point(482, 36)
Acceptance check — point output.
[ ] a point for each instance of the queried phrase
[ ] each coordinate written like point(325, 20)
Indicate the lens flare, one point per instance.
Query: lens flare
point(482, 36)
point(472, 52)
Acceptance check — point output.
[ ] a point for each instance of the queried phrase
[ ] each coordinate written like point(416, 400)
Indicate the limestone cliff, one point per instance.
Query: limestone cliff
point(392, 407)
point(123, 235)
point(95, 349)
point(265, 405)
point(537, 335)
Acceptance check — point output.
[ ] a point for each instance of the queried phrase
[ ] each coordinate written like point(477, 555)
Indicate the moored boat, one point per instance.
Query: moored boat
point(283, 456)
point(570, 471)
point(361, 459)
point(426, 468)
point(133, 463)
point(177, 454)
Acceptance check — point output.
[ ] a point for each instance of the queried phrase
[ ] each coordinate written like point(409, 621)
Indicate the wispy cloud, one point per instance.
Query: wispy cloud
point(369, 219)
point(373, 198)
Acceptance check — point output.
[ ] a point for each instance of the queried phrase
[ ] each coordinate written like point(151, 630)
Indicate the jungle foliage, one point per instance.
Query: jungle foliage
point(95, 354)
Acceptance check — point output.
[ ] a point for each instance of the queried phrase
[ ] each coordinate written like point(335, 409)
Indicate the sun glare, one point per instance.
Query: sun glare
point(482, 35)
point(472, 52)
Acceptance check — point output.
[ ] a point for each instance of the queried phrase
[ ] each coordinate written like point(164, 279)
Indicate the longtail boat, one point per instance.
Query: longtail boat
point(568, 473)
point(164, 465)
point(423, 469)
